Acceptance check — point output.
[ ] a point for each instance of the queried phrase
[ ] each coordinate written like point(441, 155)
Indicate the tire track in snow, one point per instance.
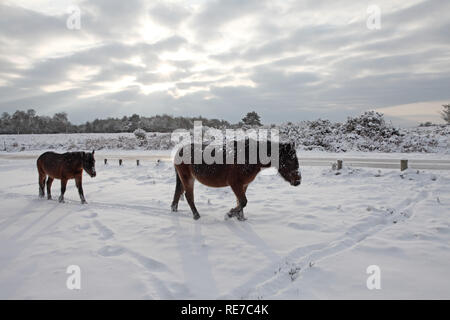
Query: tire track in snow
point(277, 277)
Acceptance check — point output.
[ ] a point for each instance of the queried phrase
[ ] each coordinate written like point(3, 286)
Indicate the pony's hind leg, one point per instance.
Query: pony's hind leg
point(49, 187)
point(63, 189)
point(178, 193)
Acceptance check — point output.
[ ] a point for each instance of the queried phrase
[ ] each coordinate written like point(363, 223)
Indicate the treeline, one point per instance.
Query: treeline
point(28, 122)
point(25, 122)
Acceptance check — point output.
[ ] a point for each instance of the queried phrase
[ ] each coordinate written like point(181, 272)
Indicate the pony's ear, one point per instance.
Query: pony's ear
point(83, 155)
point(293, 145)
point(93, 151)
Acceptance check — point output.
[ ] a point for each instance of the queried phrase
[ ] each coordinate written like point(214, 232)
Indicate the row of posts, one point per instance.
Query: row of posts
point(120, 162)
point(339, 164)
point(403, 165)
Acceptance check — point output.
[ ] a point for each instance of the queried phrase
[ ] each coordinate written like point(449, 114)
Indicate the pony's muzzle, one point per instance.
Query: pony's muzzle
point(297, 181)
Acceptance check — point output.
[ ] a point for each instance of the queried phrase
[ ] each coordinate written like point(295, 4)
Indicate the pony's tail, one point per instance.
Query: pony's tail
point(179, 185)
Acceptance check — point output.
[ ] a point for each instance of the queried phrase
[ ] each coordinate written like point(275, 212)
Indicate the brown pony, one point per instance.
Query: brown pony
point(237, 176)
point(64, 166)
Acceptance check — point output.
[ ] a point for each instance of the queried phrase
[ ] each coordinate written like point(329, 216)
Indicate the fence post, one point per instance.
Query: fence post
point(120, 162)
point(106, 160)
point(137, 163)
point(403, 165)
point(339, 164)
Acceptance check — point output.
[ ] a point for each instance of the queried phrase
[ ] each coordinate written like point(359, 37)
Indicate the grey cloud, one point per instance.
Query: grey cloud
point(215, 14)
point(168, 14)
point(112, 19)
point(299, 72)
point(27, 25)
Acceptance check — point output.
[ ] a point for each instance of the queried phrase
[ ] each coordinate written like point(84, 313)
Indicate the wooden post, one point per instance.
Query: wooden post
point(403, 165)
point(120, 162)
point(137, 163)
point(339, 164)
point(106, 160)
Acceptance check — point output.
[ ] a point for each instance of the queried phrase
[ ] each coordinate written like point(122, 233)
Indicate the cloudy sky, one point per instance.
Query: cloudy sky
point(287, 60)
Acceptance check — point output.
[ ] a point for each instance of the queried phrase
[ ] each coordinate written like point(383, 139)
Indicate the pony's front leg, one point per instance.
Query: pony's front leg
point(236, 212)
point(79, 185)
point(239, 190)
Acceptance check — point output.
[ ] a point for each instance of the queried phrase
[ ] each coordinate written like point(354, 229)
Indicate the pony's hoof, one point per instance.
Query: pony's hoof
point(61, 200)
point(196, 216)
point(49, 198)
point(174, 208)
point(240, 216)
point(84, 202)
point(228, 215)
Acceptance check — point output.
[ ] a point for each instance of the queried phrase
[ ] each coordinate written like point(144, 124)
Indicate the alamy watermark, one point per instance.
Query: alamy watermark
point(212, 146)
point(373, 21)
point(73, 22)
point(374, 280)
point(73, 281)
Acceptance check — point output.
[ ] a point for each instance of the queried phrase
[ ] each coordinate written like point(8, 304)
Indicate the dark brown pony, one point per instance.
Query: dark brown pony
point(237, 176)
point(64, 166)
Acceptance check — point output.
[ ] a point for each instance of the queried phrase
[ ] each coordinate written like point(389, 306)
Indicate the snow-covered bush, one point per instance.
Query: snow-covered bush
point(367, 132)
point(370, 124)
point(140, 134)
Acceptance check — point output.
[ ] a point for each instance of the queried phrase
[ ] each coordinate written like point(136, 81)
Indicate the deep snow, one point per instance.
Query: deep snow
point(311, 241)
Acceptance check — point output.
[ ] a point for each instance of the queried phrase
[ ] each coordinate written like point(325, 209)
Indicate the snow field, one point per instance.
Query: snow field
point(311, 241)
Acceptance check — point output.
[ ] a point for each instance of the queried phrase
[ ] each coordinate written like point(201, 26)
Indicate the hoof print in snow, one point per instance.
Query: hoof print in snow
point(110, 251)
point(91, 215)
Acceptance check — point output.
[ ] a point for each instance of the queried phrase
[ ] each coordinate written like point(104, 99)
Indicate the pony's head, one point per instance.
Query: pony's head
point(288, 166)
point(89, 163)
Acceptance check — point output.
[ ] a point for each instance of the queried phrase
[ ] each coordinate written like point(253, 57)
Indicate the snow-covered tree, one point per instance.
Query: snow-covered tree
point(445, 114)
point(252, 119)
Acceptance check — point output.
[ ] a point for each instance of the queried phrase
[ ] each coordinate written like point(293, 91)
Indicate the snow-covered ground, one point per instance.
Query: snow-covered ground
point(312, 241)
point(317, 136)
